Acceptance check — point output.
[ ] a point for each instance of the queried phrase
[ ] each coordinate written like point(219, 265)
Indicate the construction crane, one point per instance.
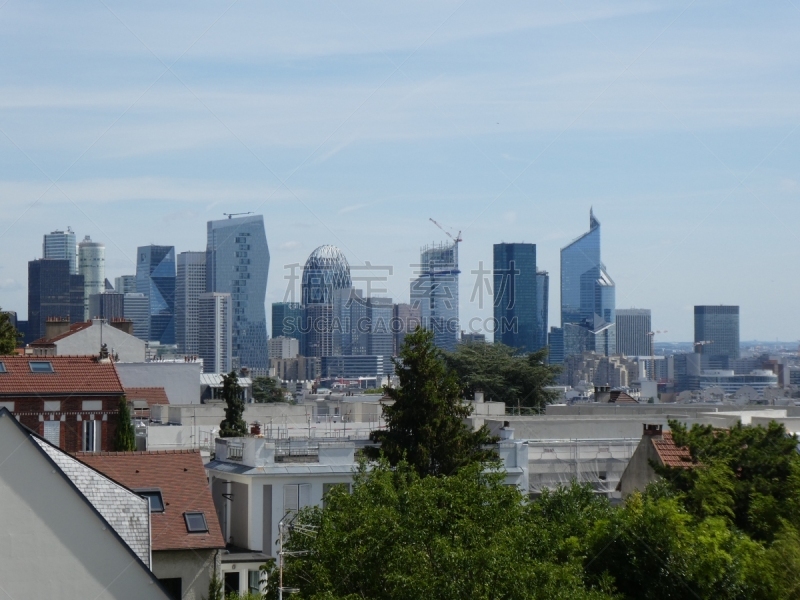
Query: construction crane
point(701, 344)
point(652, 335)
point(231, 215)
point(456, 239)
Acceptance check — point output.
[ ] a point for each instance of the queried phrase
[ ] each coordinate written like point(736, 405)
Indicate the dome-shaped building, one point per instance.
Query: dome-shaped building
point(325, 271)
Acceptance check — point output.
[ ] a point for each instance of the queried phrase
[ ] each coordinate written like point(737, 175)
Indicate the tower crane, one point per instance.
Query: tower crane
point(456, 239)
point(701, 344)
point(231, 215)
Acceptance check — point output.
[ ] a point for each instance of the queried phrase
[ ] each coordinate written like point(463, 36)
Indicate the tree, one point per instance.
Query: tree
point(425, 425)
point(124, 437)
point(505, 375)
point(233, 425)
point(749, 474)
point(400, 536)
point(9, 336)
point(214, 588)
point(266, 389)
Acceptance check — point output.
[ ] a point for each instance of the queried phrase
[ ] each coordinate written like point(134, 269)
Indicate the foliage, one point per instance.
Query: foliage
point(748, 474)
point(266, 389)
point(233, 425)
point(214, 588)
point(504, 375)
point(402, 536)
point(124, 436)
point(425, 425)
point(9, 336)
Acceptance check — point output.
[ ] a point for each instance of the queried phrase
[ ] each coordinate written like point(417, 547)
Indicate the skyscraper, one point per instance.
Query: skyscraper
point(61, 245)
point(406, 320)
point(125, 284)
point(52, 292)
point(379, 316)
point(136, 308)
point(716, 335)
point(108, 305)
point(286, 319)
point(92, 265)
point(542, 306)
point(326, 286)
point(633, 325)
point(189, 284)
point(515, 299)
point(435, 292)
point(215, 332)
point(587, 294)
point(237, 263)
point(155, 278)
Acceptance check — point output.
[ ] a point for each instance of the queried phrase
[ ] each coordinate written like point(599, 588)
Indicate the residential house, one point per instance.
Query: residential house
point(72, 401)
point(656, 447)
point(81, 339)
point(186, 536)
point(69, 532)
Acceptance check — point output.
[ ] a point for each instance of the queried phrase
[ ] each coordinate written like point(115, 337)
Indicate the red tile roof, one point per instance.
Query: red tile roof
point(71, 375)
point(153, 395)
point(74, 328)
point(670, 454)
point(181, 477)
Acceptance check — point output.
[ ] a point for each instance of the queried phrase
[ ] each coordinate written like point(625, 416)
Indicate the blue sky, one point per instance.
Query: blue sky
point(352, 123)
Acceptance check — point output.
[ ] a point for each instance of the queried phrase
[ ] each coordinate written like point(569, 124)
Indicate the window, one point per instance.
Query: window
point(254, 582)
point(195, 522)
point(91, 436)
point(3, 367)
point(52, 432)
point(41, 366)
point(154, 497)
point(296, 497)
point(174, 587)
point(232, 582)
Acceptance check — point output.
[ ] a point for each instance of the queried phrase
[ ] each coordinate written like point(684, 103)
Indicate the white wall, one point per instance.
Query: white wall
point(87, 341)
point(180, 380)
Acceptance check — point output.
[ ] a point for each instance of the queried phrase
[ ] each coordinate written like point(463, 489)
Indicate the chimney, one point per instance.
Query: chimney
point(506, 431)
point(55, 326)
point(478, 396)
point(124, 325)
point(653, 430)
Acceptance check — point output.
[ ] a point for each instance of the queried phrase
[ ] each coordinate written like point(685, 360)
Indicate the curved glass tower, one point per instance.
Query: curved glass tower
point(326, 292)
point(325, 271)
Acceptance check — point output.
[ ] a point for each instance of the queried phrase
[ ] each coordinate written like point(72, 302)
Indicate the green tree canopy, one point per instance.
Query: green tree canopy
point(749, 474)
point(400, 536)
point(266, 389)
point(425, 425)
point(124, 436)
point(9, 336)
point(233, 425)
point(504, 375)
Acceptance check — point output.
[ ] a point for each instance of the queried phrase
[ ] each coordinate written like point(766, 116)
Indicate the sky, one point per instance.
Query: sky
point(353, 123)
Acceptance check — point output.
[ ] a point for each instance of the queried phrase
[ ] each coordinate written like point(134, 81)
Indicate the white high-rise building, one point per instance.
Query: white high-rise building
point(92, 265)
point(283, 347)
point(61, 245)
point(190, 283)
point(633, 327)
point(215, 332)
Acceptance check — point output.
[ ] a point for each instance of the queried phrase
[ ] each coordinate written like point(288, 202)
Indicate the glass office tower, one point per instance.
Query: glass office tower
point(61, 246)
point(716, 334)
point(286, 319)
point(53, 292)
point(189, 284)
point(155, 278)
point(327, 297)
point(588, 294)
point(237, 263)
point(633, 327)
point(435, 293)
point(515, 298)
point(542, 304)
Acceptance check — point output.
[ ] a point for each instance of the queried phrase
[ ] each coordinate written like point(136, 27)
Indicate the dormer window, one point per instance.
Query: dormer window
point(195, 522)
point(3, 367)
point(41, 366)
point(154, 497)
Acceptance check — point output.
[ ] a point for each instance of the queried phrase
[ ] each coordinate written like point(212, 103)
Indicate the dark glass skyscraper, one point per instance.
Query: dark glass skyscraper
point(52, 292)
point(516, 311)
point(716, 334)
point(588, 292)
point(286, 319)
point(542, 304)
point(155, 278)
point(327, 298)
point(237, 263)
point(633, 327)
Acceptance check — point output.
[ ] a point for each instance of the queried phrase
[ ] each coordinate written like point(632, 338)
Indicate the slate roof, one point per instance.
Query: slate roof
point(71, 375)
point(127, 512)
point(151, 395)
point(181, 477)
point(670, 454)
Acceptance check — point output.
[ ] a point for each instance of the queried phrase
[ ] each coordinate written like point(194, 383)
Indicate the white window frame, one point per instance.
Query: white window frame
point(54, 434)
point(296, 496)
point(90, 442)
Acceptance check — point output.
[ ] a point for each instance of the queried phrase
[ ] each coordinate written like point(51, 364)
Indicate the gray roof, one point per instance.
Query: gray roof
point(127, 512)
point(283, 468)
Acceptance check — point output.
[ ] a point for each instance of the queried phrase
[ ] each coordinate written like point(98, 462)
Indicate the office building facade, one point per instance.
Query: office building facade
point(327, 293)
point(92, 265)
point(283, 347)
point(435, 292)
point(542, 306)
point(380, 312)
point(190, 282)
point(237, 263)
point(125, 284)
point(155, 278)
point(516, 312)
point(633, 329)
point(716, 335)
point(588, 294)
point(286, 319)
point(215, 339)
point(406, 319)
point(60, 245)
point(53, 292)
point(108, 305)
point(136, 308)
